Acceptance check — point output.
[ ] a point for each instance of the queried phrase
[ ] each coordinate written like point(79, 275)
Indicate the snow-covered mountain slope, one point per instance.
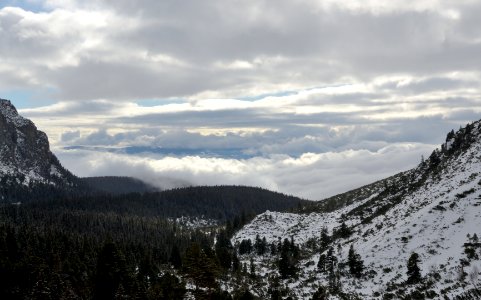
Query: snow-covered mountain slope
point(433, 210)
point(24, 151)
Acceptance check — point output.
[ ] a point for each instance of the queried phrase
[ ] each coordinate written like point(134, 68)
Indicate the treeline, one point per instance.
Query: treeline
point(129, 246)
point(214, 202)
point(57, 252)
point(117, 185)
point(13, 189)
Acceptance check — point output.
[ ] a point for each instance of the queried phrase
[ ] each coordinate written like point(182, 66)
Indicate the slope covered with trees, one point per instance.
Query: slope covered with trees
point(117, 185)
point(106, 247)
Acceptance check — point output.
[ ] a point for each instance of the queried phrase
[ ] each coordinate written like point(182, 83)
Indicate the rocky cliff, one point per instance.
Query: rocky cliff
point(24, 151)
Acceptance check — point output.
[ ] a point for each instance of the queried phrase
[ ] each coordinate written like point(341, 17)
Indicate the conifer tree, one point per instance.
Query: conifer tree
point(175, 258)
point(320, 294)
point(321, 264)
point(110, 272)
point(288, 259)
point(325, 239)
point(356, 264)
point(413, 272)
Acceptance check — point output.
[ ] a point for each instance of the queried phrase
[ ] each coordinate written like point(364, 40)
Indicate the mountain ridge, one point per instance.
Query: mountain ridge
point(25, 151)
point(433, 210)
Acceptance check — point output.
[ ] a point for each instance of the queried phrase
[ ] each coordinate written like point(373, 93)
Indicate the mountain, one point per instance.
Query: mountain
point(414, 235)
point(433, 210)
point(24, 151)
point(117, 185)
point(209, 203)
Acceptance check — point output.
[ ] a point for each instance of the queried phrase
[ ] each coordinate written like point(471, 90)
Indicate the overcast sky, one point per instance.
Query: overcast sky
point(306, 97)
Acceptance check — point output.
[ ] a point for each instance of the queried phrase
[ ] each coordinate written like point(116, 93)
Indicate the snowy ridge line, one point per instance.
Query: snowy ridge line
point(433, 210)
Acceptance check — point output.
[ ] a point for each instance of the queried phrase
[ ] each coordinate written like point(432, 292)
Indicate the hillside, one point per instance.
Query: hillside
point(117, 185)
point(433, 210)
point(219, 203)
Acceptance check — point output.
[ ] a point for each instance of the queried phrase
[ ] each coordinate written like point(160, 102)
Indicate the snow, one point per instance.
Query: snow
point(22, 155)
point(433, 221)
point(11, 114)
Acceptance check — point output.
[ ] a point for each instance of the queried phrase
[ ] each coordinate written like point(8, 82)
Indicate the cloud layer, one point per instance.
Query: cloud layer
point(160, 49)
point(306, 97)
point(312, 176)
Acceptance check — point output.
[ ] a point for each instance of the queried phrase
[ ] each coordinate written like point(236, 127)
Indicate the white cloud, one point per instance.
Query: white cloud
point(312, 176)
point(123, 50)
point(307, 89)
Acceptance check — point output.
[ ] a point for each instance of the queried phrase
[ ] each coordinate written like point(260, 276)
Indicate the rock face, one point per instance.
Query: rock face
point(25, 152)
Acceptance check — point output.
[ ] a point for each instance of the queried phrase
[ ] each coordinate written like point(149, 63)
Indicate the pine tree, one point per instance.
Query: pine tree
point(252, 268)
point(331, 260)
point(320, 294)
point(288, 259)
point(356, 264)
point(325, 239)
point(413, 272)
point(344, 231)
point(201, 266)
point(260, 245)
point(168, 287)
point(110, 272)
point(235, 263)
point(321, 264)
point(175, 258)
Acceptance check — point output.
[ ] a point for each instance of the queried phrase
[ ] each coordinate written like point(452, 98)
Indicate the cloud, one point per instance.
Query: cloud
point(126, 50)
point(312, 176)
point(305, 89)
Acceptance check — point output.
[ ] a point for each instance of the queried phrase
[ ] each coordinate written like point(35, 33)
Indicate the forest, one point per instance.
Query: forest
point(130, 246)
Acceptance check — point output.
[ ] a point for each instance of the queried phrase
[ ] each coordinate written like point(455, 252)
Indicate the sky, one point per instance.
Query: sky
point(309, 98)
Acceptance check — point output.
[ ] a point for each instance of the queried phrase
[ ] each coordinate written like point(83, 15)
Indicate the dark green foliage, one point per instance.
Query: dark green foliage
point(245, 247)
point(167, 287)
point(175, 257)
point(450, 135)
point(342, 231)
point(327, 262)
point(320, 294)
point(111, 272)
point(322, 263)
point(244, 295)
point(224, 250)
point(44, 247)
point(200, 265)
point(235, 263)
point(356, 264)
point(116, 185)
point(216, 202)
point(471, 246)
point(220, 295)
point(413, 272)
point(434, 159)
point(288, 259)
point(252, 267)
point(325, 239)
point(12, 191)
point(260, 245)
